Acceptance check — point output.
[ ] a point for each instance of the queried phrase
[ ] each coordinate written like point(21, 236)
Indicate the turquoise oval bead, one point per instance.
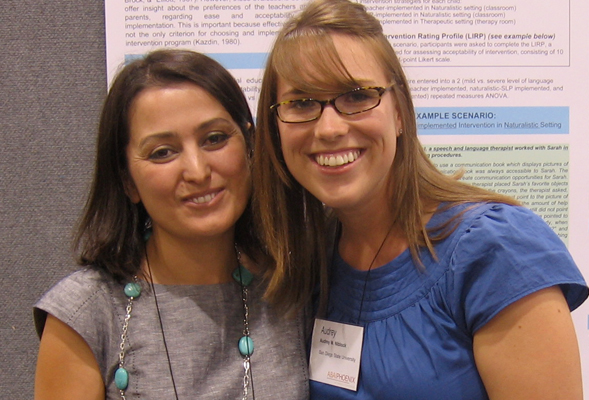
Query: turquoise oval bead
point(246, 346)
point(133, 289)
point(121, 379)
point(241, 274)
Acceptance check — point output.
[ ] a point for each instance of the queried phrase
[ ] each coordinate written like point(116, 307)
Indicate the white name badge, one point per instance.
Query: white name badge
point(335, 354)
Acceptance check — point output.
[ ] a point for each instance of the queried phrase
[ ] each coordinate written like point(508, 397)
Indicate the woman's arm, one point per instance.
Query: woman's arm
point(66, 367)
point(529, 350)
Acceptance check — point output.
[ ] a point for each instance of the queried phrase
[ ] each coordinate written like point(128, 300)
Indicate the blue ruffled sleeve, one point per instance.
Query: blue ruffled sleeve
point(505, 253)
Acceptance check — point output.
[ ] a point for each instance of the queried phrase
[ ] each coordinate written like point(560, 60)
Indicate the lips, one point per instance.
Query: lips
point(337, 160)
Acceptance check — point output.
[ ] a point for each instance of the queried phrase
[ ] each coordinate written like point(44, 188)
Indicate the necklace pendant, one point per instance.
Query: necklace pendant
point(242, 275)
point(121, 378)
point(246, 346)
point(133, 289)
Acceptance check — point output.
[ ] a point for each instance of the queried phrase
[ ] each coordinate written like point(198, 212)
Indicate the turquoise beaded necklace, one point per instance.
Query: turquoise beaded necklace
point(245, 345)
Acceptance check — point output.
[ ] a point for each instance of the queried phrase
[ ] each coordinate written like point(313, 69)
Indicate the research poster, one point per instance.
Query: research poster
point(500, 87)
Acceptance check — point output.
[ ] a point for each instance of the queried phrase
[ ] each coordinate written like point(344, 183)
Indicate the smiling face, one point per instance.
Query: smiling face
point(187, 161)
point(344, 160)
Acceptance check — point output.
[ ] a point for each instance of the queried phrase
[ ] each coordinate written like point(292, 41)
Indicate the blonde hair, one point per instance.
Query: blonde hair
point(291, 220)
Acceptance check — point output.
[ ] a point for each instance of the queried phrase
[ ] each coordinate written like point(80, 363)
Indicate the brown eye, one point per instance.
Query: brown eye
point(216, 139)
point(161, 153)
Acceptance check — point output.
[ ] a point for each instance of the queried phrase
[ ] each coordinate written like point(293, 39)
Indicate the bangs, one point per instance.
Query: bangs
point(308, 60)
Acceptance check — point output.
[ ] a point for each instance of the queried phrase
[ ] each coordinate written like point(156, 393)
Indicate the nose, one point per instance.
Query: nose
point(195, 167)
point(331, 124)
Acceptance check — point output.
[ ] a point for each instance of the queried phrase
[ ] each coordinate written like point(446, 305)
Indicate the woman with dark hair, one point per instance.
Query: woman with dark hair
point(455, 292)
point(169, 302)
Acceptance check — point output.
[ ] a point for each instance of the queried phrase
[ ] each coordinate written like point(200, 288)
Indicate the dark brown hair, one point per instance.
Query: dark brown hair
point(110, 234)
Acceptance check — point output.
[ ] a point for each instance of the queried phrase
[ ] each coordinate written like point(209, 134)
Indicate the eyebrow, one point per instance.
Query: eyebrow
point(155, 137)
point(298, 92)
point(294, 92)
point(204, 126)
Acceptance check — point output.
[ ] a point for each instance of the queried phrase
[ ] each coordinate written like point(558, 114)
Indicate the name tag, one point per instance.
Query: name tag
point(336, 349)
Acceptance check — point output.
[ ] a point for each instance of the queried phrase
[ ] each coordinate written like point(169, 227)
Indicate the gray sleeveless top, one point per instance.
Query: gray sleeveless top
point(202, 326)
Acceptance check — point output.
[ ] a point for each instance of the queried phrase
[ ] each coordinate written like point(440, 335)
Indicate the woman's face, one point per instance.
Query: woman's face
point(187, 161)
point(344, 160)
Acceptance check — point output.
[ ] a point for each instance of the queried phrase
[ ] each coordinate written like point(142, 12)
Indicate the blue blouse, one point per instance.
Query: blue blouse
point(419, 325)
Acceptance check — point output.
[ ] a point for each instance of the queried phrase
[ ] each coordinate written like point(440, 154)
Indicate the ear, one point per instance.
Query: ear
point(249, 139)
point(399, 122)
point(131, 190)
point(250, 129)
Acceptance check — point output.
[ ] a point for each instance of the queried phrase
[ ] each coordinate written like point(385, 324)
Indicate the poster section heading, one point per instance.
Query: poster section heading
point(423, 32)
point(492, 120)
point(535, 174)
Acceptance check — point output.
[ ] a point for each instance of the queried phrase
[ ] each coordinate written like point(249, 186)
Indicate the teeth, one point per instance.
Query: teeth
point(339, 160)
point(203, 199)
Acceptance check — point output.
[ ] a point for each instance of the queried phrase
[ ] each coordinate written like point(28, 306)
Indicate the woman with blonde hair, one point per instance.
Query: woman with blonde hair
point(461, 293)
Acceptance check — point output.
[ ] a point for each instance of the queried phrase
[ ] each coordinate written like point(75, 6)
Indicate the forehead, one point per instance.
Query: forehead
point(172, 107)
point(331, 63)
point(171, 96)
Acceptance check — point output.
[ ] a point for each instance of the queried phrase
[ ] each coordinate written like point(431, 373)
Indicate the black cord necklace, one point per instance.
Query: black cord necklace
point(338, 234)
point(159, 317)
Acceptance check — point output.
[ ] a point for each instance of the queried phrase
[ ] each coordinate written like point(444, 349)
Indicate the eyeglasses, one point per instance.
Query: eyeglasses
point(353, 102)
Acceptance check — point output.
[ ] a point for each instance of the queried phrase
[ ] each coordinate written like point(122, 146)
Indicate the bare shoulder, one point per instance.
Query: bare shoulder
point(66, 366)
point(530, 351)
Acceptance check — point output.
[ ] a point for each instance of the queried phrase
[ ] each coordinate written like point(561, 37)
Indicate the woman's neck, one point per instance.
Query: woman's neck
point(371, 240)
point(203, 262)
point(365, 246)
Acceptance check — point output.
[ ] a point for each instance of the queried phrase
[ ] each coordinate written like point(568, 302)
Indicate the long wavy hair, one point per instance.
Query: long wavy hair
point(111, 230)
point(292, 220)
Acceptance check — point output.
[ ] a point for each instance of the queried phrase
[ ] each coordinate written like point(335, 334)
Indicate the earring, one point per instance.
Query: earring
point(147, 229)
point(400, 131)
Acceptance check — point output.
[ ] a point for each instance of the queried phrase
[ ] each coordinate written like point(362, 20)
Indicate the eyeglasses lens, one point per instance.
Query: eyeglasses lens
point(352, 102)
point(357, 101)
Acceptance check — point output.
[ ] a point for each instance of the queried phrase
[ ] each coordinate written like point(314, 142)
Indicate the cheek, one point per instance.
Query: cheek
point(238, 172)
point(383, 127)
point(245, 178)
point(289, 157)
point(237, 163)
point(291, 143)
point(130, 188)
point(242, 190)
point(134, 186)
point(150, 184)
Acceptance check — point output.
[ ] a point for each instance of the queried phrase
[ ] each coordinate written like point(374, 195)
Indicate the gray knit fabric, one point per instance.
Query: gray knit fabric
point(202, 325)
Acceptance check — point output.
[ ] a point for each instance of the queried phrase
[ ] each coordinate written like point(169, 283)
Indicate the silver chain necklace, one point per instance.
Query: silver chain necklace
point(245, 345)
